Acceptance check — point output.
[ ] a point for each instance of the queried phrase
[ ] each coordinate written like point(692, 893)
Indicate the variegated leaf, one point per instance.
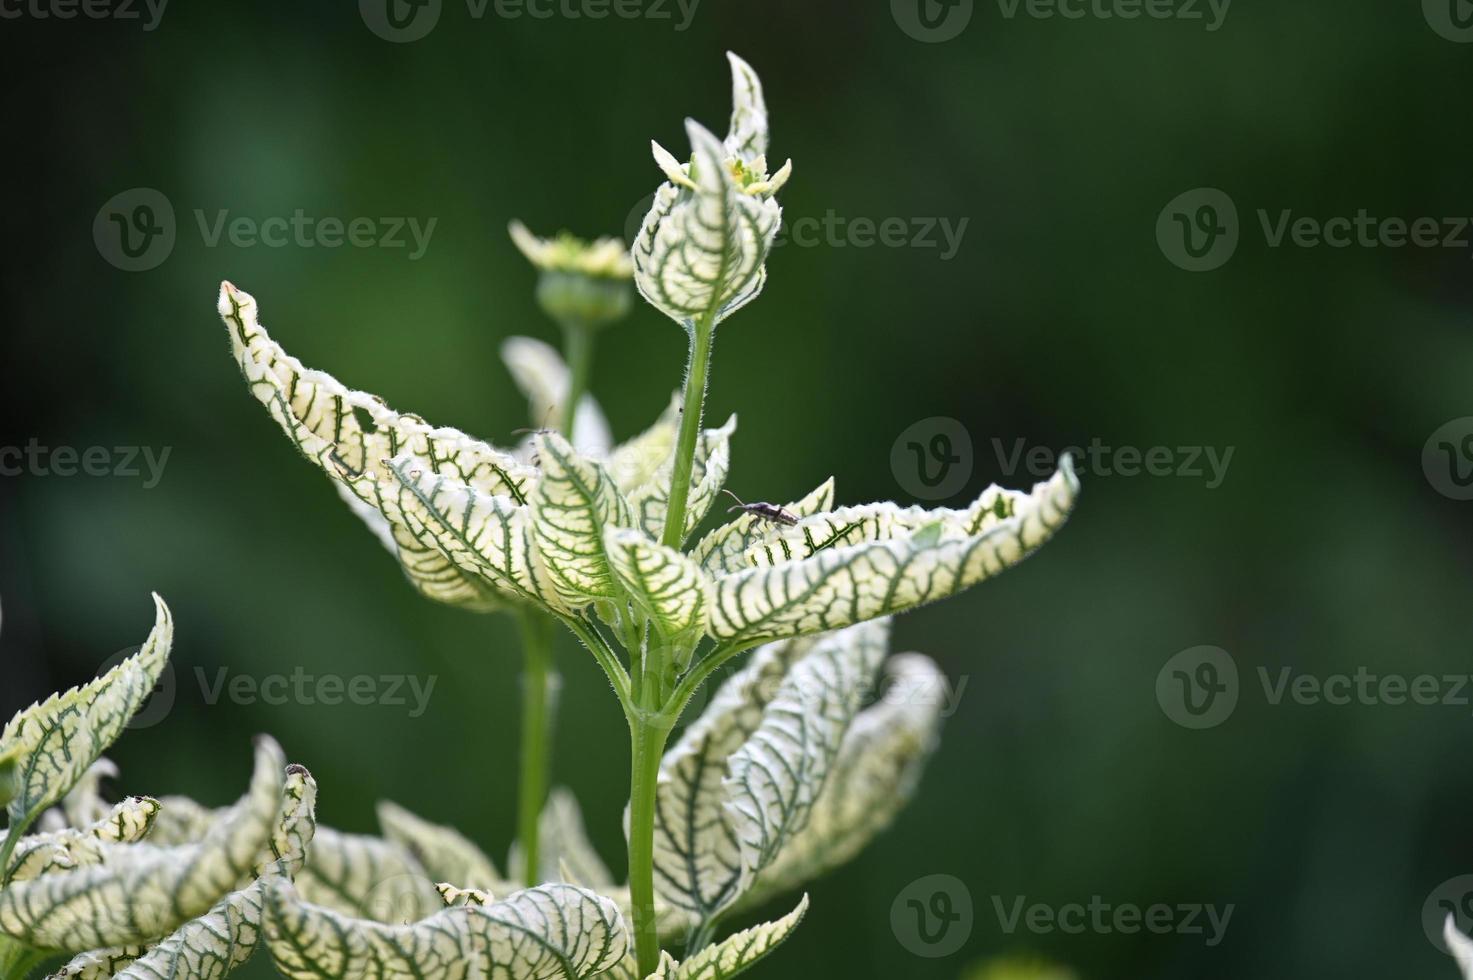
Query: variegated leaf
point(724, 549)
point(566, 854)
point(775, 777)
point(484, 536)
point(352, 436)
point(879, 765)
point(746, 138)
point(211, 946)
point(628, 969)
point(54, 742)
point(697, 857)
point(553, 932)
point(904, 558)
point(539, 370)
point(366, 877)
point(102, 964)
point(700, 254)
point(573, 503)
point(181, 820)
point(72, 848)
point(1460, 946)
point(708, 475)
point(141, 892)
point(454, 897)
point(667, 586)
point(634, 463)
point(84, 804)
point(742, 951)
point(443, 852)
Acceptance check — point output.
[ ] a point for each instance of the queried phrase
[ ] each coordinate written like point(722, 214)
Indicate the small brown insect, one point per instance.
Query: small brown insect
point(767, 512)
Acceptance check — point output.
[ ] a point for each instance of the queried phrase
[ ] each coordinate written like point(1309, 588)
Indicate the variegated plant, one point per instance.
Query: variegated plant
point(1460, 946)
point(144, 889)
point(785, 773)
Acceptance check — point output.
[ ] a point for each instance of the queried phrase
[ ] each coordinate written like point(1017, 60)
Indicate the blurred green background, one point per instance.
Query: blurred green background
point(1059, 320)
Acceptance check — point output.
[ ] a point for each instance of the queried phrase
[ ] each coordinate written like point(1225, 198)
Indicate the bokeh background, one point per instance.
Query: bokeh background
point(1059, 320)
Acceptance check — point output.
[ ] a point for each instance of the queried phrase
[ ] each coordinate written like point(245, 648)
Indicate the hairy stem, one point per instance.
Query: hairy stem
point(578, 350)
point(648, 736)
point(702, 333)
point(539, 687)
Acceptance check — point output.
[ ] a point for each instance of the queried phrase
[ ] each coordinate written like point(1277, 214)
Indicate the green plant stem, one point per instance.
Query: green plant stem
point(578, 351)
point(702, 333)
point(648, 735)
point(7, 847)
point(539, 681)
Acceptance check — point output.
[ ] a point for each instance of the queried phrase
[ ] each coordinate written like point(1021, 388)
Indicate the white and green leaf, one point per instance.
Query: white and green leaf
point(875, 775)
point(746, 138)
point(904, 558)
point(709, 467)
point(665, 584)
point(366, 877)
point(66, 850)
point(741, 951)
point(353, 437)
point(1460, 946)
point(566, 853)
point(553, 932)
point(724, 549)
point(572, 505)
point(54, 743)
point(634, 463)
point(443, 852)
point(701, 252)
point(141, 892)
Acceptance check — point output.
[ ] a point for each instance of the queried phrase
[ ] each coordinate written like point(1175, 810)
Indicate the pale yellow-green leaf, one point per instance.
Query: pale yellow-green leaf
point(572, 504)
point(667, 586)
point(697, 857)
point(746, 138)
point(742, 951)
point(878, 767)
point(72, 848)
point(700, 254)
point(54, 742)
point(484, 536)
point(366, 877)
point(225, 937)
point(444, 852)
point(708, 475)
point(546, 933)
point(774, 779)
point(566, 854)
point(904, 558)
point(102, 964)
point(352, 436)
point(453, 897)
point(724, 549)
point(142, 892)
point(539, 371)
